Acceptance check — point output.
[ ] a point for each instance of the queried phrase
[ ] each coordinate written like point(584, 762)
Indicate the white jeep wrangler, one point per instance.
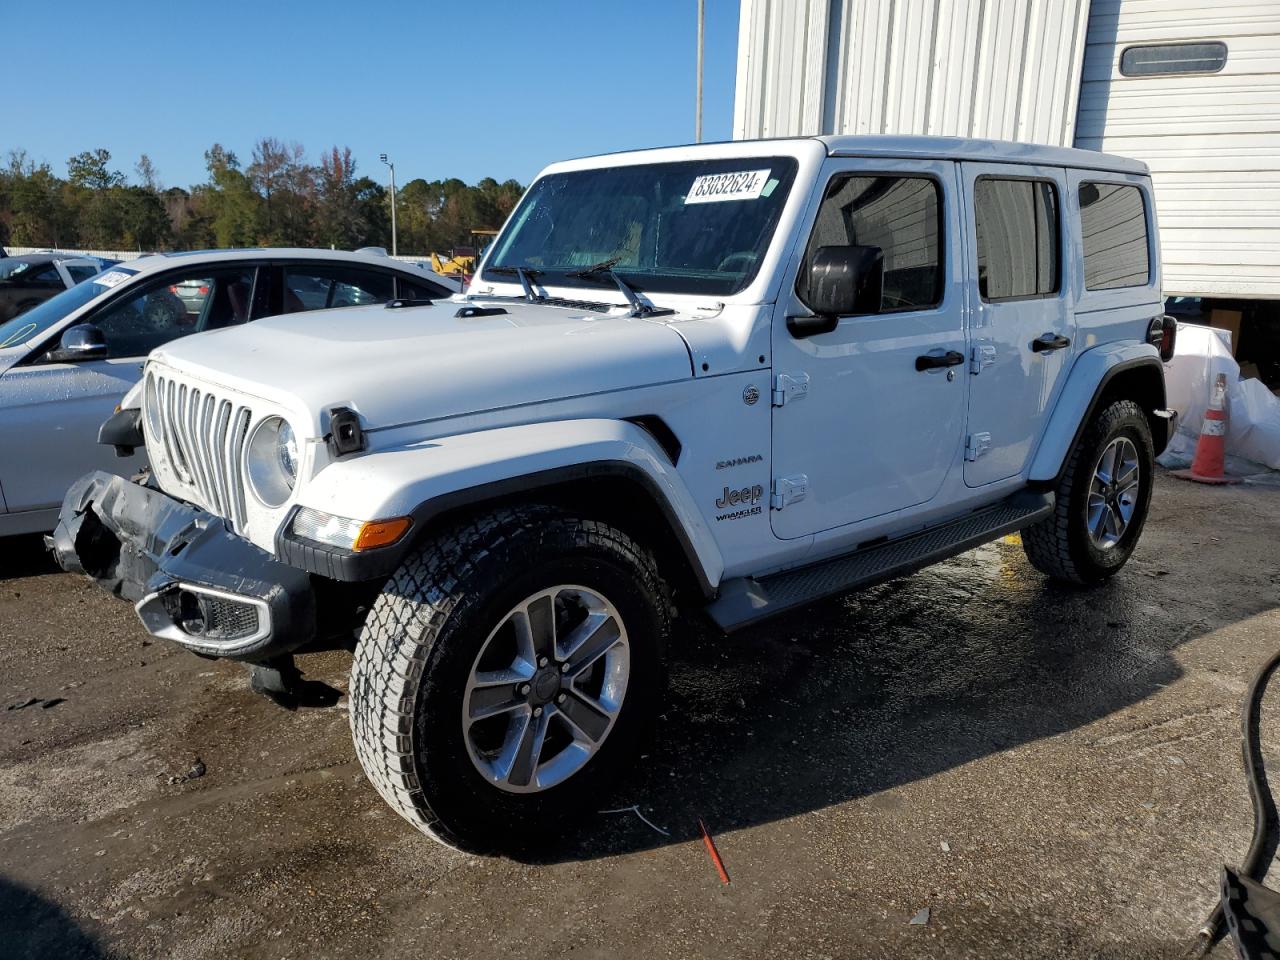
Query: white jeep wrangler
point(730, 378)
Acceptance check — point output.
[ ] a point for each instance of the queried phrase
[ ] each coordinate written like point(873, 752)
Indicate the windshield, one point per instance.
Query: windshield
point(699, 226)
point(11, 268)
point(41, 317)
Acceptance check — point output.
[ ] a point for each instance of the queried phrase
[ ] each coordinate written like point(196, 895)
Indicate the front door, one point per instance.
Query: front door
point(1021, 323)
point(50, 412)
point(49, 419)
point(881, 420)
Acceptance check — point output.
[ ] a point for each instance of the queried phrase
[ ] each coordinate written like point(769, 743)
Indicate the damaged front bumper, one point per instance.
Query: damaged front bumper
point(189, 577)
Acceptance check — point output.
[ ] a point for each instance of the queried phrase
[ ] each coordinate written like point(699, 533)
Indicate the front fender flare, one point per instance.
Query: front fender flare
point(426, 479)
point(1086, 384)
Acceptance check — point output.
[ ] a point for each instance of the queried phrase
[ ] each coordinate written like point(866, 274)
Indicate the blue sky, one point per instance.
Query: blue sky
point(467, 89)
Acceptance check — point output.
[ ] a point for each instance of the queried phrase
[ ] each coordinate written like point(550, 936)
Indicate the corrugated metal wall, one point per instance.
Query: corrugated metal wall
point(1007, 69)
point(1212, 141)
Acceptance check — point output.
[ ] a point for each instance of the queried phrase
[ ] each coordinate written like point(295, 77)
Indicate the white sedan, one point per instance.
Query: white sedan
point(67, 362)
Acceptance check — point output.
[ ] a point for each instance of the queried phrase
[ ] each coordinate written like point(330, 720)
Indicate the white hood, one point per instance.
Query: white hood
point(397, 366)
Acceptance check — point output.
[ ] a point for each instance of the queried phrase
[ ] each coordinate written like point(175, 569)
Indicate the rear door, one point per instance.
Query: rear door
point(1022, 319)
point(876, 430)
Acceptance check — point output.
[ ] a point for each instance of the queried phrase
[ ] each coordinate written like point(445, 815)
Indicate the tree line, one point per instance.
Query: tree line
point(278, 198)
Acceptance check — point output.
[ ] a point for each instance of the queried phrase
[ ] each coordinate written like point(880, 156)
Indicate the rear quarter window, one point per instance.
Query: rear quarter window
point(1113, 230)
point(420, 290)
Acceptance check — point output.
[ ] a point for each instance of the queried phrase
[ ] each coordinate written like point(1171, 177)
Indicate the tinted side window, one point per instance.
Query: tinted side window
point(46, 277)
point(1017, 238)
point(1113, 227)
point(81, 273)
point(900, 215)
point(319, 287)
point(420, 290)
point(175, 307)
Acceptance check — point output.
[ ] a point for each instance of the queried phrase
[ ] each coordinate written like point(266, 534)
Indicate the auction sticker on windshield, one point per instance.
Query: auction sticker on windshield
point(112, 278)
point(717, 187)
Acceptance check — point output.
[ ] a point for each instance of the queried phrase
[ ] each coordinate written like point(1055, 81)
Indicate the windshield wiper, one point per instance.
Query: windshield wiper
point(526, 275)
point(638, 307)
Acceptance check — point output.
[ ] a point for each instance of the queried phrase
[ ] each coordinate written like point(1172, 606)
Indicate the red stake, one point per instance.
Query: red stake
point(713, 852)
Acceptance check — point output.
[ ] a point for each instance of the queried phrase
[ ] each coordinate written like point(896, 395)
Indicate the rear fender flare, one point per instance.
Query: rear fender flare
point(1088, 383)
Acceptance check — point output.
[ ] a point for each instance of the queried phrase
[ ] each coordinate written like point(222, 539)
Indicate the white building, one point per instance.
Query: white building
point(1192, 88)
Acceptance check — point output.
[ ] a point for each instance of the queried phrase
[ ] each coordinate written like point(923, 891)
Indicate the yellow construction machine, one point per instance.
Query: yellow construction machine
point(461, 261)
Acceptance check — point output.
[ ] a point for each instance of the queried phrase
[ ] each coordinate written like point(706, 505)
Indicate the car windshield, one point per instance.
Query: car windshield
point(11, 268)
point(697, 227)
point(41, 317)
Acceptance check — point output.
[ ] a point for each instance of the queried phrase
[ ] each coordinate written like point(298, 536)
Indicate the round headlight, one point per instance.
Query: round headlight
point(287, 446)
point(151, 407)
point(272, 461)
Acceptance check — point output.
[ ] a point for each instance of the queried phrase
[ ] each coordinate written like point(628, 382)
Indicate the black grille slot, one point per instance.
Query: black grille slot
point(228, 619)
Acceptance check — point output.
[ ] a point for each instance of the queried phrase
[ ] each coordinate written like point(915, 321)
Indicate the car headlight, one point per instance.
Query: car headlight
point(348, 534)
point(272, 461)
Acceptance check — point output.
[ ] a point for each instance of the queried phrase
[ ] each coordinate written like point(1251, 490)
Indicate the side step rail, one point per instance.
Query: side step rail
point(746, 600)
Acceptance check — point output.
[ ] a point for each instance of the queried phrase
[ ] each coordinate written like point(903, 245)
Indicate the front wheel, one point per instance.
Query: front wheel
point(507, 671)
point(1102, 500)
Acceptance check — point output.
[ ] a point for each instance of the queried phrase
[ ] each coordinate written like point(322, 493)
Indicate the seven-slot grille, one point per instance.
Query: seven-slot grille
point(203, 437)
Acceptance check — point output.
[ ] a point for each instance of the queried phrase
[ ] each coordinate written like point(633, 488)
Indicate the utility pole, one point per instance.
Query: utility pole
point(383, 158)
point(697, 121)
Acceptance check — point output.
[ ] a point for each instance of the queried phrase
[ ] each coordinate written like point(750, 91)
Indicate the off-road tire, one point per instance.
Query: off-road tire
point(422, 636)
point(1059, 545)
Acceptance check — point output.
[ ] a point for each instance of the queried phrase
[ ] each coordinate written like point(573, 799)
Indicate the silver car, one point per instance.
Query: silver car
point(192, 292)
point(67, 362)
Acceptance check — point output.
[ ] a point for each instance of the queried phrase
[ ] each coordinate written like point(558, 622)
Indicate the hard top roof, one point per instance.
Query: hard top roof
point(902, 147)
point(987, 151)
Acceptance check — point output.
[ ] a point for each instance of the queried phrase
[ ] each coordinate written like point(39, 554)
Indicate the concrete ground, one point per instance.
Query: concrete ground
point(1051, 773)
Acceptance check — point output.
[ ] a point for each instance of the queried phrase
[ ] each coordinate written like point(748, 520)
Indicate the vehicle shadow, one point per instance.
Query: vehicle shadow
point(871, 691)
point(25, 556)
point(33, 928)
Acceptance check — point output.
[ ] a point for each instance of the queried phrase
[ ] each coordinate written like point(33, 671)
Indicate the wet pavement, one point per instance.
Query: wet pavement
point(1052, 773)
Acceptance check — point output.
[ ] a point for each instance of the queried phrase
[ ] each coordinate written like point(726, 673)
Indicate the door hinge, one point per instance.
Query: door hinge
point(981, 356)
point(977, 445)
point(788, 386)
point(788, 490)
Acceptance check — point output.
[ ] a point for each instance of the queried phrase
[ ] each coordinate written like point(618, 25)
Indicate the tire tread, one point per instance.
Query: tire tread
point(404, 625)
point(1048, 543)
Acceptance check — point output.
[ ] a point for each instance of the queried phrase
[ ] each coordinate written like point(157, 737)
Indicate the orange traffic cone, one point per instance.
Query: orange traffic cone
point(1211, 448)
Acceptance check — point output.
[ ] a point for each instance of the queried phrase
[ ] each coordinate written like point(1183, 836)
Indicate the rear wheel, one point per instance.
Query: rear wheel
point(505, 674)
point(1102, 500)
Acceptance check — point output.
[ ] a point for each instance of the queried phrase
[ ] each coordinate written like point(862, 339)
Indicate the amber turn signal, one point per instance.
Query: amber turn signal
point(381, 533)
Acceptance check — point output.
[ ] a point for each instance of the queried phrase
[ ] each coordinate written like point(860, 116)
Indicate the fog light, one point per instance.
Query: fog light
point(190, 614)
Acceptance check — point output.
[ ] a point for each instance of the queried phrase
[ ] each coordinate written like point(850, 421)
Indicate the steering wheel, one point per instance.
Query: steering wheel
point(163, 312)
point(746, 258)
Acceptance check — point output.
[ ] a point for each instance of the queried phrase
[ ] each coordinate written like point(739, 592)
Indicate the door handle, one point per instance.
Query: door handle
point(1048, 342)
point(932, 361)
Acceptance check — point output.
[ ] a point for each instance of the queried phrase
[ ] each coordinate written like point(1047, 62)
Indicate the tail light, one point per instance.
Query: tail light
point(1163, 334)
point(204, 291)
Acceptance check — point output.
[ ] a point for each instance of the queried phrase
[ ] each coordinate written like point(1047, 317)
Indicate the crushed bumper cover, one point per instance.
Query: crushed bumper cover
point(190, 578)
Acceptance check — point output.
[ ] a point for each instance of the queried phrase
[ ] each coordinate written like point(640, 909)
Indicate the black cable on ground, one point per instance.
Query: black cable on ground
point(1265, 837)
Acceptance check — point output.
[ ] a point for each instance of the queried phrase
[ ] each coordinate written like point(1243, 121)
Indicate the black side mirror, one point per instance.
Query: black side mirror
point(843, 281)
point(81, 342)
